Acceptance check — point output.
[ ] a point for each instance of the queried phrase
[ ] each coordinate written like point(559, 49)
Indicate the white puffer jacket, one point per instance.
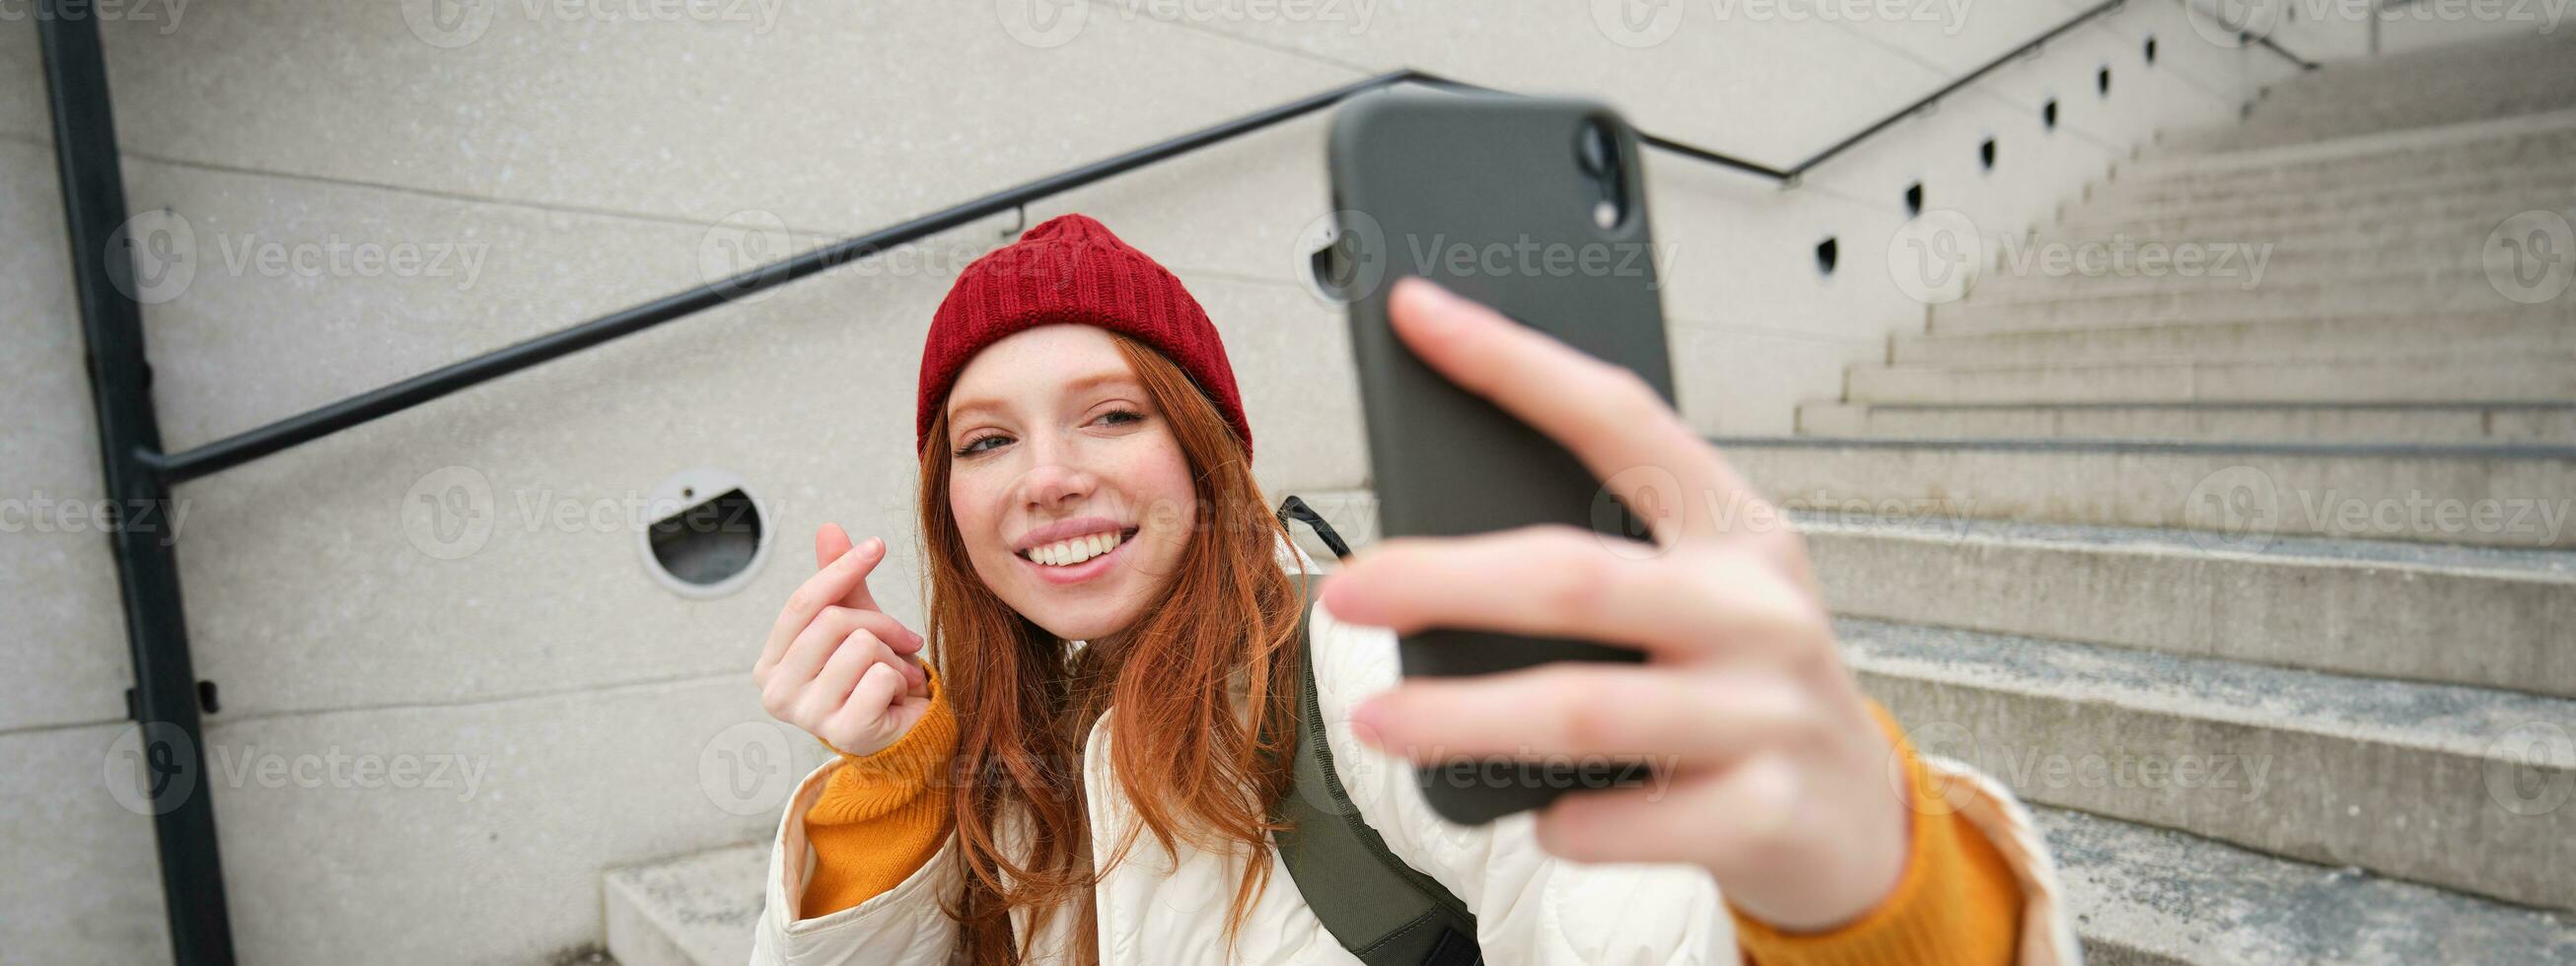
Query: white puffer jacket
point(1530, 907)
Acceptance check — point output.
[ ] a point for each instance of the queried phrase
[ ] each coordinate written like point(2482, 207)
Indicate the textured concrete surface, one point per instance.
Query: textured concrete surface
point(2321, 337)
point(506, 821)
point(2460, 787)
point(695, 909)
point(2552, 424)
point(595, 162)
point(2146, 896)
point(2355, 607)
point(2492, 374)
point(66, 640)
point(2239, 496)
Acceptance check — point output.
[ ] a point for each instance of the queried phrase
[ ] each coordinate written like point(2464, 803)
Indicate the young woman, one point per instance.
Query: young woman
point(1083, 769)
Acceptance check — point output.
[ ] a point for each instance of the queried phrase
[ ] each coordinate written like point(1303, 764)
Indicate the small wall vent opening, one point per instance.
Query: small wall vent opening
point(2151, 51)
point(1827, 252)
point(1914, 198)
point(704, 534)
point(2048, 114)
point(1986, 154)
point(2102, 81)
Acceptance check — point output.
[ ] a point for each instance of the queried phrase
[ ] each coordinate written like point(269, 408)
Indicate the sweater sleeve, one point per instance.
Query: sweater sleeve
point(1958, 902)
point(881, 816)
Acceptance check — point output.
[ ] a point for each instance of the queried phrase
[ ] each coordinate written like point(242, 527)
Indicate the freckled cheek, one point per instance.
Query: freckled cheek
point(976, 510)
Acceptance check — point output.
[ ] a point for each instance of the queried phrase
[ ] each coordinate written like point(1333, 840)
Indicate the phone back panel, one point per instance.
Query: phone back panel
point(1487, 195)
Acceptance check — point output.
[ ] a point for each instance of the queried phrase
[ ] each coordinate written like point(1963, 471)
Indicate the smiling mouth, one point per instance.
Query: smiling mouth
point(1079, 550)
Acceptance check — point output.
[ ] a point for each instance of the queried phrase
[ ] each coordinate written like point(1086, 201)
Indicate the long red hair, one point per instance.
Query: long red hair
point(1197, 767)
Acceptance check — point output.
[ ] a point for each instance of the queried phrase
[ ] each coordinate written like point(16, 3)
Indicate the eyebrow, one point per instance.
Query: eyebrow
point(1076, 386)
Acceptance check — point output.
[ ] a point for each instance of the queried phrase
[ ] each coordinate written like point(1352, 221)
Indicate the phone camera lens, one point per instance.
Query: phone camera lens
point(1593, 148)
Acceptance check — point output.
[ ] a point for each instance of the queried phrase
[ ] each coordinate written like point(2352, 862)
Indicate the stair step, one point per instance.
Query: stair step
point(2539, 423)
point(2142, 895)
point(2135, 891)
point(2083, 264)
point(2386, 202)
point(2456, 787)
point(2308, 337)
point(694, 910)
point(2242, 495)
point(2435, 291)
point(2357, 607)
point(2429, 377)
point(2479, 182)
point(2525, 140)
point(2435, 222)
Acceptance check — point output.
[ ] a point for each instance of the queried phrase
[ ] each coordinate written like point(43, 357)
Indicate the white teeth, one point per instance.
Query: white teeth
point(1065, 553)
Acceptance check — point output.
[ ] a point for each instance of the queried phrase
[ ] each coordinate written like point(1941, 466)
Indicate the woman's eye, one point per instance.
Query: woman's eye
point(1130, 414)
point(976, 445)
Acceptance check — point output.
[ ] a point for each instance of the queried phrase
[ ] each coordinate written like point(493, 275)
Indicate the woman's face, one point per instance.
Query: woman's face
point(1052, 438)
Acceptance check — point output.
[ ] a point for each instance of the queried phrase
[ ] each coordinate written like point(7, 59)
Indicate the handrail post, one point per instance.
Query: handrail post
point(164, 702)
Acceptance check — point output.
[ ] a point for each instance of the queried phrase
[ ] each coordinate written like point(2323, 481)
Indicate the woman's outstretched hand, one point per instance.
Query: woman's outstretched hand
point(1781, 780)
point(836, 665)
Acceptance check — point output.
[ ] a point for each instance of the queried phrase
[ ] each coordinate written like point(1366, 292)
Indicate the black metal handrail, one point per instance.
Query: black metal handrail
point(363, 407)
point(324, 420)
point(139, 474)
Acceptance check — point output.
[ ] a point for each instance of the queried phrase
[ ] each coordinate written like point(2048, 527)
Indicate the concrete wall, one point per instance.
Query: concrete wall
point(555, 710)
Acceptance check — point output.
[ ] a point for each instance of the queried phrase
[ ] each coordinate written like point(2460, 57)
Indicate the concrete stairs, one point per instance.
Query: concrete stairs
point(2263, 595)
point(2190, 560)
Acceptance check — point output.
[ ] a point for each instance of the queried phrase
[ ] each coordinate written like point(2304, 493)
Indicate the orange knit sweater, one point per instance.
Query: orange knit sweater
point(1957, 901)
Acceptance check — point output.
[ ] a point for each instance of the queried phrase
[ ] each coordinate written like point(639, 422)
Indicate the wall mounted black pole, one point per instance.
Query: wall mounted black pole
point(147, 563)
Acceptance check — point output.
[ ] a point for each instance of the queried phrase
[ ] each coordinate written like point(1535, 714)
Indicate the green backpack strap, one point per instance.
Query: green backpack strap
point(1380, 909)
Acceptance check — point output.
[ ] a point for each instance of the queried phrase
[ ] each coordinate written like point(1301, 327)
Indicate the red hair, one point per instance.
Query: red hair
point(1197, 767)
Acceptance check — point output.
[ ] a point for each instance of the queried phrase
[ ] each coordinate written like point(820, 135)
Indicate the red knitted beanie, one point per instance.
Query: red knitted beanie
point(1071, 269)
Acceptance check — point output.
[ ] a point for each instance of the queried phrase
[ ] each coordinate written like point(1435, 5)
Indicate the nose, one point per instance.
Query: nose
point(1056, 479)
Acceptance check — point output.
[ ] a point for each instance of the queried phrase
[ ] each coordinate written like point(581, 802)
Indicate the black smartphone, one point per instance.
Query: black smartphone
point(1534, 206)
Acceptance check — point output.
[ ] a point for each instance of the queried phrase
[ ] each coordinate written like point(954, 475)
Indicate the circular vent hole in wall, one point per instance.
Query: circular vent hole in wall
point(704, 533)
